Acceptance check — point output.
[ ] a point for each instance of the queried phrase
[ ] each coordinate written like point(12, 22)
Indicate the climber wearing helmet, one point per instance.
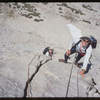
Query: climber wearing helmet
point(84, 49)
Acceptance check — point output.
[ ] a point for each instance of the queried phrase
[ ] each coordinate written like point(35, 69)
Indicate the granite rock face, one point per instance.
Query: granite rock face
point(26, 29)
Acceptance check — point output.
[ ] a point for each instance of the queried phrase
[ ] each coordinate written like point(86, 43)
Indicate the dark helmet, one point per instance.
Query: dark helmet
point(85, 38)
point(46, 50)
point(91, 40)
point(49, 50)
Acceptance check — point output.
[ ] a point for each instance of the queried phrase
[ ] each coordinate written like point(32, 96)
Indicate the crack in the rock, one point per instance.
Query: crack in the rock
point(88, 7)
point(33, 75)
point(72, 9)
point(93, 81)
point(86, 21)
point(92, 86)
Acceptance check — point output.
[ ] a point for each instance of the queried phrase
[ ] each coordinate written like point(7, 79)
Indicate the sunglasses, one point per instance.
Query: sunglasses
point(86, 40)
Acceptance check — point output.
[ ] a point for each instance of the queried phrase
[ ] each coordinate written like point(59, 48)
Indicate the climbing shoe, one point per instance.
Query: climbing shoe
point(62, 60)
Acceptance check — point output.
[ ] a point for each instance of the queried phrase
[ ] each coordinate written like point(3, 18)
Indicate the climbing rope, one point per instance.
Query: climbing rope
point(77, 79)
point(69, 81)
point(77, 84)
point(70, 78)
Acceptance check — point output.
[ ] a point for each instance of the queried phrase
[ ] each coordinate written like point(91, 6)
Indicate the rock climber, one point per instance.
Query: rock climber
point(84, 48)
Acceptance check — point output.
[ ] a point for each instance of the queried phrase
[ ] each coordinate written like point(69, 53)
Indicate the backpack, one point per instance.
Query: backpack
point(93, 42)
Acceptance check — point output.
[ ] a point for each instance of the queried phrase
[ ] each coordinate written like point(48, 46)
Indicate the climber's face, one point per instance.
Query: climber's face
point(85, 42)
point(50, 52)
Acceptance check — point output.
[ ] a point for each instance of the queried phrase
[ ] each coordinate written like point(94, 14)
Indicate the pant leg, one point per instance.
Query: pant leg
point(72, 50)
point(66, 57)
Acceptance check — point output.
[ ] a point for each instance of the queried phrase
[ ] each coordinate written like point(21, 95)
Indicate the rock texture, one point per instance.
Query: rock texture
point(26, 29)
